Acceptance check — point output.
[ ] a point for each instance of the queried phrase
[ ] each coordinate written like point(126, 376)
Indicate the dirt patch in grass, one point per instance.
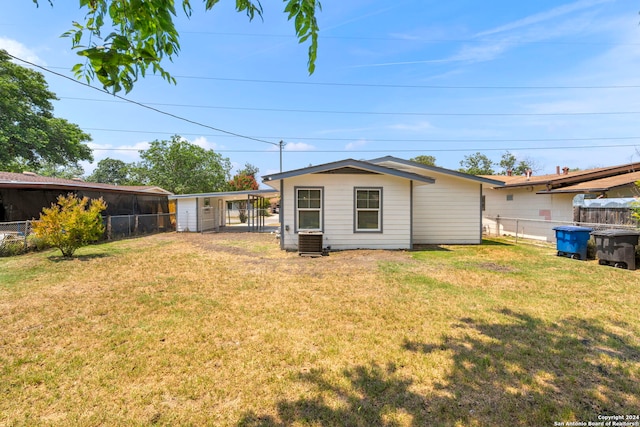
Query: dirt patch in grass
point(263, 249)
point(492, 266)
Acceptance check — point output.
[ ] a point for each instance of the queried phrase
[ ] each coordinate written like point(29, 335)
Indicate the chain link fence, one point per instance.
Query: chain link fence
point(13, 237)
point(125, 226)
point(16, 237)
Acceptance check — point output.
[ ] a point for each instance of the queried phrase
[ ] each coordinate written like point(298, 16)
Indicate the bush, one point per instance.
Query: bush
point(591, 249)
point(11, 247)
point(71, 223)
point(35, 243)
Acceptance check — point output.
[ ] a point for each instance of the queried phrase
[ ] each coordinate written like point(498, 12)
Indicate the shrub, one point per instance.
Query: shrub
point(11, 247)
point(35, 243)
point(71, 223)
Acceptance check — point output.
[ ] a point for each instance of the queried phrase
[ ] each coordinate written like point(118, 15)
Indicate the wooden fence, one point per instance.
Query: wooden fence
point(613, 216)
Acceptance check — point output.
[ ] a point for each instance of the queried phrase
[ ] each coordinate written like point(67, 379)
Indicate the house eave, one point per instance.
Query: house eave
point(348, 163)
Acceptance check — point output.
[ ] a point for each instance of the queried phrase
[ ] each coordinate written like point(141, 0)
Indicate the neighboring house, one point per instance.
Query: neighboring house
point(208, 211)
point(385, 203)
point(547, 199)
point(24, 195)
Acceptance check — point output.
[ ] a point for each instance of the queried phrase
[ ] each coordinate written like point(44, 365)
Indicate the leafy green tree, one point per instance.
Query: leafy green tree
point(69, 171)
point(182, 168)
point(245, 179)
point(425, 160)
point(30, 136)
point(477, 164)
point(509, 162)
point(141, 35)
point(114, 171)
point(249, 170)
point(70, 223)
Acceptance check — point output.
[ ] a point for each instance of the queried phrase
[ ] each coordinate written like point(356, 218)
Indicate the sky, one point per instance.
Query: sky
point(556, 83)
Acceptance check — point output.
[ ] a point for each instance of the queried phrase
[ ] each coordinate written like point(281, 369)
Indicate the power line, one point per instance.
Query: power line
point(392, 86)
point(410, 39)
point(375, 113)
point(380, 85)
point(143, 105)
point(387, 150)
point(306, 138)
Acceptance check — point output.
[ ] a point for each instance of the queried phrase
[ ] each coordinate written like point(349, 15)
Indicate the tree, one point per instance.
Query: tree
point(181, 167)
point(30, 136)
point(114, 171)
point(69, 171)
point(425, 160)
point(477, 164)
point(141, 35)
point(249, 169)
point(71, 223)
point(245, 179)
point(509, 162)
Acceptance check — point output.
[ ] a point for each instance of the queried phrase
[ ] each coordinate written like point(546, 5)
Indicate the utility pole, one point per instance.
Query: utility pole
point(282, 144)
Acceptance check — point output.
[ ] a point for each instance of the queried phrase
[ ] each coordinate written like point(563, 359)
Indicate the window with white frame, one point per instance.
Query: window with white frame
point(368, 209)
point(309, 208)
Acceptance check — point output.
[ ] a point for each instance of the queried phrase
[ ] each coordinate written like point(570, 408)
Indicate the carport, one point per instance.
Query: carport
point(209, 212)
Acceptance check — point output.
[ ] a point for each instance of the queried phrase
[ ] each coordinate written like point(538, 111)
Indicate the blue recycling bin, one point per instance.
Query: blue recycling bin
point(572, 241)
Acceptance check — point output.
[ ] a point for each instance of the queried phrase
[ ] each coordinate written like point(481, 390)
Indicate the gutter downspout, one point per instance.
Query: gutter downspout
point(411, 215)
point(281, 214)
point(480, 242)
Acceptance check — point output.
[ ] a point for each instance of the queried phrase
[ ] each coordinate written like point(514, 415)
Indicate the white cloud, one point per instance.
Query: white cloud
point(19, 50)
point(355, 145)
point(412, 127)
point(531, 29)
point(126, 153)
point(202, 141)
point(345, 130)
point(298, 146)
point(544, 16)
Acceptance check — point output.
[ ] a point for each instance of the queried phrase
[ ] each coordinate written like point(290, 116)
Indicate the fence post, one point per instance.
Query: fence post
point(27, 228)
point(498, 225)
point(108, 227)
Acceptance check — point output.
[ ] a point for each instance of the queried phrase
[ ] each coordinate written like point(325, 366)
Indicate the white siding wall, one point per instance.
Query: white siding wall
point(338, 193)
point(447, 212)
point(186, 219)
point(526, 204)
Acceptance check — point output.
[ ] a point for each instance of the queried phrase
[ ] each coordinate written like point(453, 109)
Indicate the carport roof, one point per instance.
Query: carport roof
point(228, 195)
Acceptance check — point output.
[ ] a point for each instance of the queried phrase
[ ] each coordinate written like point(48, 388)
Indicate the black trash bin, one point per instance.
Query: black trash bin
point(616, 247)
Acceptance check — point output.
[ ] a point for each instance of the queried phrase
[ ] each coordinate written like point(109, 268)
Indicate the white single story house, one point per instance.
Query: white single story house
point(208, 211)
point(541, 202)
point(385, 203)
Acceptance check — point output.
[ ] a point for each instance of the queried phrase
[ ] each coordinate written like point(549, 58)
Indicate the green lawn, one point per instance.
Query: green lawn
point(227, 330)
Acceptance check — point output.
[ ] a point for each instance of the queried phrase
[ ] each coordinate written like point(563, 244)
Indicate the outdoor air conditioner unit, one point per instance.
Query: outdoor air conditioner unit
point(310, 243)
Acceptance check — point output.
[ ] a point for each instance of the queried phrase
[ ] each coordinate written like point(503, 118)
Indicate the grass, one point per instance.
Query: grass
point(228, 330)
